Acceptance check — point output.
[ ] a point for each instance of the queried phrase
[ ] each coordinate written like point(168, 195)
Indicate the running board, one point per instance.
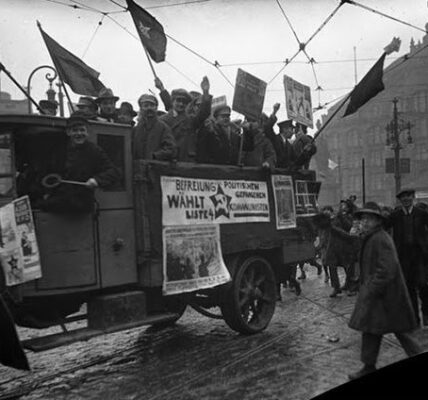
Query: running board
point(61, 339)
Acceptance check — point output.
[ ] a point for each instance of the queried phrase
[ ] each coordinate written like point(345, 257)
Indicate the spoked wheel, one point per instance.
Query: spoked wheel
point(250, 301)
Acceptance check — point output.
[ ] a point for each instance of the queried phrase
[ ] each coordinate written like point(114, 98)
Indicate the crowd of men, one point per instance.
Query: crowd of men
point(190, 130)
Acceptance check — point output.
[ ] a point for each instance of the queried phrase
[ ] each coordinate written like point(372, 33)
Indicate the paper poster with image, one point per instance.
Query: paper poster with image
point(19, 252)
point(192, 258)
point(284, 201)
point(298, 101)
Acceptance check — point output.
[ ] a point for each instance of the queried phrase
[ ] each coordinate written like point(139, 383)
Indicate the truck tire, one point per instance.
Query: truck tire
point(249, 302)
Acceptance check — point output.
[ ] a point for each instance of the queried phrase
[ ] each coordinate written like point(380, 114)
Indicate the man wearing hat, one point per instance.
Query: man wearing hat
point(285, 154)
point(152, 138)
point(126, 114)
point(383, 303)
point(88, 106)
point(84, 162)
point(410, 227)
point(184, 127)
point(220, 139)
point(106, 102)
point(48, 107)
point(304, 146)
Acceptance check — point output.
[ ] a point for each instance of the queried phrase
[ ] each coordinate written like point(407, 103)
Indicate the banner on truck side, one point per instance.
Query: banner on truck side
point(284, 201)
point(190, 201)
point(298, 101)
point(192, 258)
point(19, 253)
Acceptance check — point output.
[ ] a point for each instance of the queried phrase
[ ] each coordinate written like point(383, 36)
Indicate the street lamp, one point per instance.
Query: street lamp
point(393, 131)
point(50, 92)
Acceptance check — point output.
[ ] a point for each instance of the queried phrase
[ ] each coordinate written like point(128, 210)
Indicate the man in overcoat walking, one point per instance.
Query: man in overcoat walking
point(383, 303)
point(410, 228)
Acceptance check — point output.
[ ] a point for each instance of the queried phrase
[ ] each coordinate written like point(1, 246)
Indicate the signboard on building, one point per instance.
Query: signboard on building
point(249, 95)
point(404, 165)
point(298, 101)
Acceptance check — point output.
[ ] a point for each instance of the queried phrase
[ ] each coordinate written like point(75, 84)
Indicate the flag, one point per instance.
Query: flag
point(150, 31)
point(81, 78)
point(332, 164)
point(367, 88)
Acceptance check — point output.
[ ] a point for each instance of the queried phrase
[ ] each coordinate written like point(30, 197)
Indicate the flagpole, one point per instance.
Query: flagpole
point(150, 62)
point(68, 96)
point(3, 68)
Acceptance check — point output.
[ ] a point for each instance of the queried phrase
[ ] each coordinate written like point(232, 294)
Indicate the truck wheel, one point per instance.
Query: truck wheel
point(249, 302)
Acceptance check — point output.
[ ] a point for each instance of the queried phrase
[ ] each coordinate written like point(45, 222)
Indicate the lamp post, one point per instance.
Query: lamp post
point(50, 92)
point(393, 131)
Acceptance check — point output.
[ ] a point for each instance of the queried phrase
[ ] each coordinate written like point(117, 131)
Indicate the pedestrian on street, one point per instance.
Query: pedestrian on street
point(410, 232)
point(383, 303)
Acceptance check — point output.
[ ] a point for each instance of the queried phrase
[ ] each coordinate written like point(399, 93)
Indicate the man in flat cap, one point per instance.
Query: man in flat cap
point(48, 107)
point(220, 139)
point(383, 303)
point(84, 162)
point(106, 102)
point(152, 138)
point(88, 106)
point(410, 227)
point(185, 127)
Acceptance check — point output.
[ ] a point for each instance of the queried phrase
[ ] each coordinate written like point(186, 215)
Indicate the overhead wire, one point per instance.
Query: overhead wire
point(288, 21)
point(383, 14)
point(303, 45)
point(100, 22)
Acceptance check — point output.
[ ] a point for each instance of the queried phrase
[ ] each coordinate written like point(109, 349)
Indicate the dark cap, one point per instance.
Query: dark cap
point(77, 118)
point(53, 105)
point(370, 207)
point(147, 98)
point(217, 110)
point(183, 93)
point(126, 108)
point(301, 126)
point(86, 101)
point(405, 191)
point(106, 93)
point(285, 124)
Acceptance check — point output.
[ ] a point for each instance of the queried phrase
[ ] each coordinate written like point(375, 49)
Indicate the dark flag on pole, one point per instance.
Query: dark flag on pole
point(150, 31)
point(367, 88)
point(81, 78)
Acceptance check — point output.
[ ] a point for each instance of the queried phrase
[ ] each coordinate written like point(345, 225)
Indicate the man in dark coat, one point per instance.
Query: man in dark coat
point(285, 154)
point(84, 162)
point(304, 146)
point(220, 140)
point(409, 225)
point(263, 155)
point(184, 127)
point(383, 303)
point(152, 138)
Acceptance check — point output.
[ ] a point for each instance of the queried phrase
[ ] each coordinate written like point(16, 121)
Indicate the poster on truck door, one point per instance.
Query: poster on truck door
point(19, 254)
point(192, 258)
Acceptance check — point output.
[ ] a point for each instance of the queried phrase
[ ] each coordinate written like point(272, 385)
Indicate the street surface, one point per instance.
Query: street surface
point(306, 350)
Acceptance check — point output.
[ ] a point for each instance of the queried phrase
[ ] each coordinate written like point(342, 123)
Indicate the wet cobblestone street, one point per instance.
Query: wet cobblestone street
point(306, 350)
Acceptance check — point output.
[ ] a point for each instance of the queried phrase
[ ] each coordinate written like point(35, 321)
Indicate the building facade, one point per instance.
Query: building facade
point(9, 106)
point(363, 135)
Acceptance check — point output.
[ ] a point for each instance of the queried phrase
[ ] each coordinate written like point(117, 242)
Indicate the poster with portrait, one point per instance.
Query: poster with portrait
point(19, 253)
point(192, 258)
point(298, 101)
point(284, 201)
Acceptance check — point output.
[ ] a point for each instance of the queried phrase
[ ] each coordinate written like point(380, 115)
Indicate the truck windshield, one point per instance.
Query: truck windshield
point(6, 170)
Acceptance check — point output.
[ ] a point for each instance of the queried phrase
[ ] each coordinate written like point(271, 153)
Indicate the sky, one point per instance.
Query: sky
point(243, 33)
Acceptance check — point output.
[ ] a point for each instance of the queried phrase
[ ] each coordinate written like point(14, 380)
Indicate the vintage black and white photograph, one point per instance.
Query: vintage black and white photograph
point(213, 199)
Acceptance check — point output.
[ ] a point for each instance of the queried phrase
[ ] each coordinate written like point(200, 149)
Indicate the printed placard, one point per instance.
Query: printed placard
point(285, 212)
point(192, 258)
point(19, 253)
point(190, 201)
point(298, 101)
